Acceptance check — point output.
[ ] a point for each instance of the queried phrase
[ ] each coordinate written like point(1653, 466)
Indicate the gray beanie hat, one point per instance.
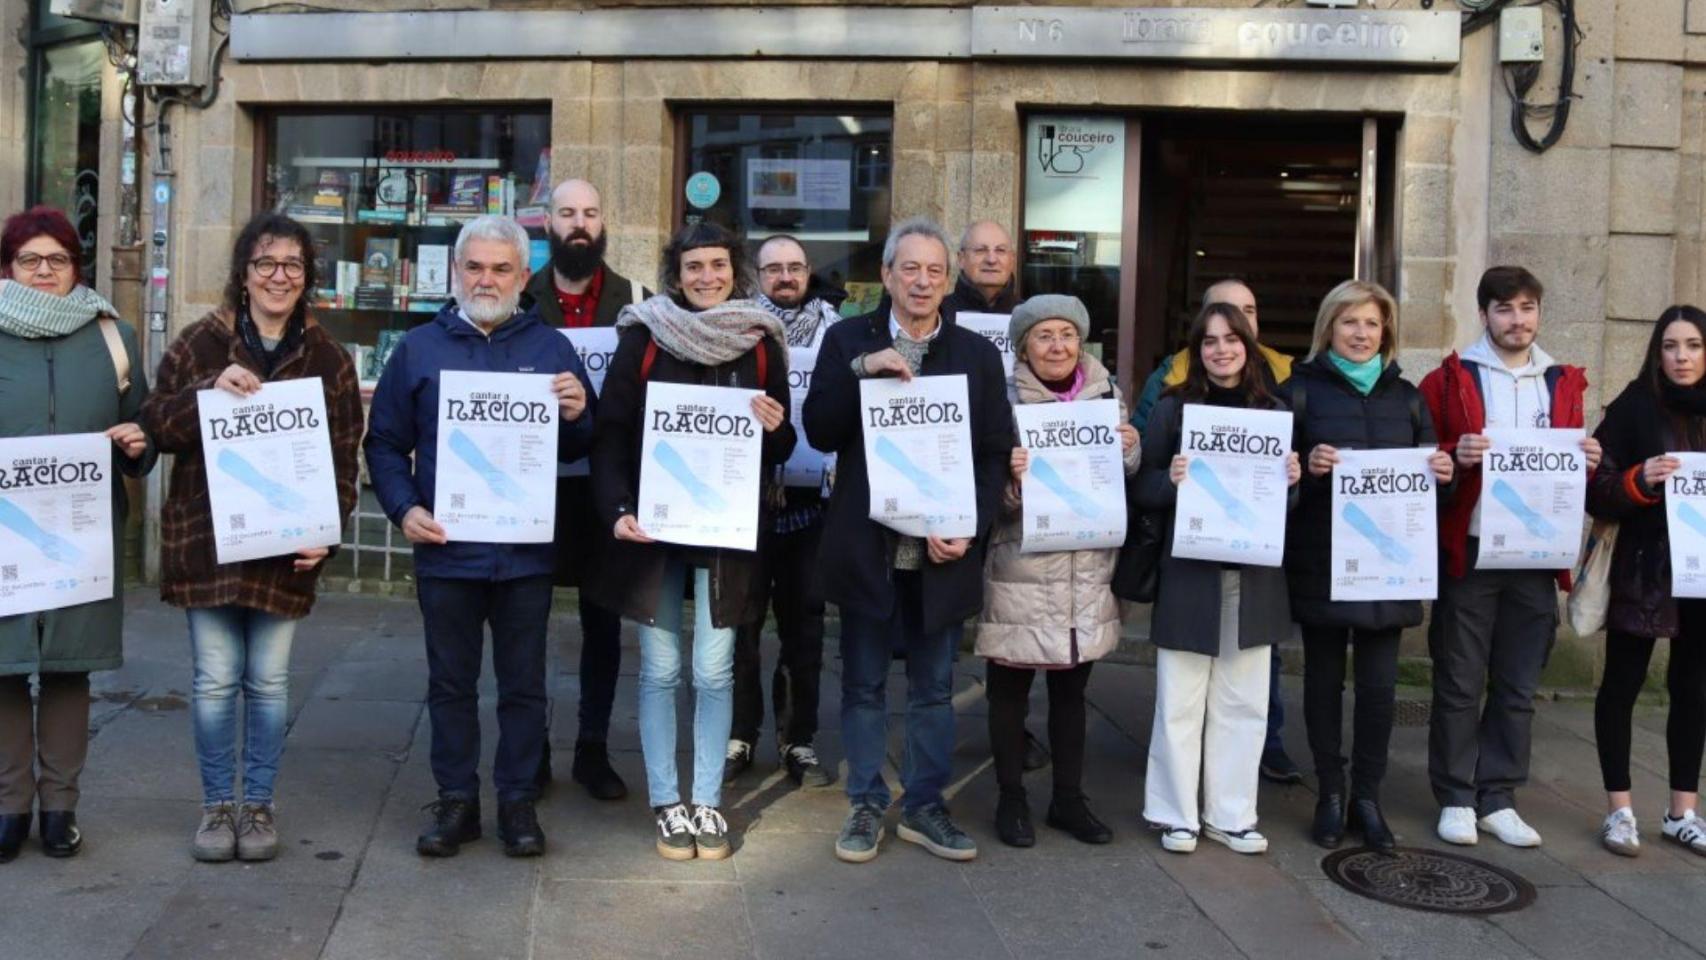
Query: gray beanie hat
point(1047, 306)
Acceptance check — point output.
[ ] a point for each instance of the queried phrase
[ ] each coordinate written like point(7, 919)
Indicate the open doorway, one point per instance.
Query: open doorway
point(1271, 199)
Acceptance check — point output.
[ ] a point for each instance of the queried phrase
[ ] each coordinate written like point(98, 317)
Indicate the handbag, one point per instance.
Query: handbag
point(1591, 594)
point(1137, 575)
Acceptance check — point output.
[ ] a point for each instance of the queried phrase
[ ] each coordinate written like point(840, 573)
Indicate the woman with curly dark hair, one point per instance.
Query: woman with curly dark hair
point(243, 616)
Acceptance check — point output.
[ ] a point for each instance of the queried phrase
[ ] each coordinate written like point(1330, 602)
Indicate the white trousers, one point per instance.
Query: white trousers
point(1211, 719)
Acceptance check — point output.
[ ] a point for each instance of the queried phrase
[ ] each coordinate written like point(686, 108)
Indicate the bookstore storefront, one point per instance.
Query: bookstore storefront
point(1175, 170)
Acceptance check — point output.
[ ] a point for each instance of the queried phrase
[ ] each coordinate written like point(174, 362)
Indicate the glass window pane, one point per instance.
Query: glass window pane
point(1074, 205)
point(822, 177)
point(66, 137)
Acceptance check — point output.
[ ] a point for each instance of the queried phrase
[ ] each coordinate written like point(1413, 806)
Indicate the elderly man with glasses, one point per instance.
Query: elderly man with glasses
point(987, 260)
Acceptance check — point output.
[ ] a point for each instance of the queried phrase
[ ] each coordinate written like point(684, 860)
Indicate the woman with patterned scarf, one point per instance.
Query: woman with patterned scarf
point(67, 365)
point(692, 333)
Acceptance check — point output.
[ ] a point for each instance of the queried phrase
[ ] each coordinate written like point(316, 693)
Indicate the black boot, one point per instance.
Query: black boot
point(518, 828)
point(1013, 821)
point(455, 821)
point(592, 770)
point(59, 834)
point(1367, 820)
point(1329, 828)
point(14, 830)
point(1073, 815)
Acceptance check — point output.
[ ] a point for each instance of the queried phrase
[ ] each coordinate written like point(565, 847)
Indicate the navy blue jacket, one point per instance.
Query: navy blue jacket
point(404, 421)
point(857, 558)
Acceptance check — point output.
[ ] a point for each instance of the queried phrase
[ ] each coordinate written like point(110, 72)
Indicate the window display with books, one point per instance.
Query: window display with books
point(384, 192)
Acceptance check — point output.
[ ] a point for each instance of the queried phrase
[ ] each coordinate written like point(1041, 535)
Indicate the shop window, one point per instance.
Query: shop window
point(822, 177)
point(384, 193)
point(67, 62)
point(1074, 208)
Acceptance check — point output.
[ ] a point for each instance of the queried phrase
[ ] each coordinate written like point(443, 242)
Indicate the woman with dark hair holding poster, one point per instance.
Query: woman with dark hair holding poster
point(1215, 623)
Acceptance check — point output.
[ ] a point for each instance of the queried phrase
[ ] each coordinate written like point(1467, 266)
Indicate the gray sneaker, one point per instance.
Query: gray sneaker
point(860, 834)
point(257, 838)
point(931, 828)
point(216, 838)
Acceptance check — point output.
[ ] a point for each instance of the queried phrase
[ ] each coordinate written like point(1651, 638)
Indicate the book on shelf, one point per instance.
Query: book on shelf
point(381, 353)
point(371, 296)
point(432, 270)
point(466, 190)
point(309, 213)
point(381, 216)
point(540, 195)
point(531, 216)
point(495, 194)
point(349, 277)
point(379, 261)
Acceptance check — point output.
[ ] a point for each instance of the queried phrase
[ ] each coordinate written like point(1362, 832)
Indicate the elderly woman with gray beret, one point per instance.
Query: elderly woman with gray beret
point(1049, 612)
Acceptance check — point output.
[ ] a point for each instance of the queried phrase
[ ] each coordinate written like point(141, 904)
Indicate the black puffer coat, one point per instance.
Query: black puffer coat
point(1635, 428)
point(1335, 413)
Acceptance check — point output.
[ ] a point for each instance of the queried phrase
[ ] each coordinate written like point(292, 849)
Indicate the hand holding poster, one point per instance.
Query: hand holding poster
point(497, 457)
point(918, 455)
point(1685, 519)
point(1385, 526)
point(1074, 489)
point(992, 327)
point(807, 466)
point(1232, 503)
point(597, 347)
point(56, 521)
point(1534, 487)
point(701, 460)
point(270, 478)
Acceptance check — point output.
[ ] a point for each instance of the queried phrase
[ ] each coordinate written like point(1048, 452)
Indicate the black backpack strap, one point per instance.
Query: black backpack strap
point(1299, 407)
point(1416, 414)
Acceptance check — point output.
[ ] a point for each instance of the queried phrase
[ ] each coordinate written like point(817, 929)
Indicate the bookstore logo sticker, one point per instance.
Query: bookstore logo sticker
point(703, 189)
point(1064, 148)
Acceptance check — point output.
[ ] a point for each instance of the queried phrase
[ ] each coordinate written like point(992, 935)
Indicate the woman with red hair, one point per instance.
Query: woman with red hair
point(67, 365)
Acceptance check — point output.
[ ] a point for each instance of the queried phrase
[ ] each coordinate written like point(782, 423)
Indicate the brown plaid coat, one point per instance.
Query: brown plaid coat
point(189, 574)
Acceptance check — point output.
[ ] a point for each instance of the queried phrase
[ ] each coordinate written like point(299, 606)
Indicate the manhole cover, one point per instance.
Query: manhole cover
point(1428, 880)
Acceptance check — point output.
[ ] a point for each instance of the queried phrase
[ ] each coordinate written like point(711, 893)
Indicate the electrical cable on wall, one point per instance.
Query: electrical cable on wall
point(1520, 78)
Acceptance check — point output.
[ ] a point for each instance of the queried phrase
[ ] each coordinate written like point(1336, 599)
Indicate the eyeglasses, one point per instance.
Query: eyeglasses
point(268, 267)
point(30, 261)
point(1068, 339)
point(986, 251)
point(775, 270)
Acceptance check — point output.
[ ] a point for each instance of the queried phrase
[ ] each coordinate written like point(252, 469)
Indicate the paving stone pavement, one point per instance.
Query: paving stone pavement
point(349, 885)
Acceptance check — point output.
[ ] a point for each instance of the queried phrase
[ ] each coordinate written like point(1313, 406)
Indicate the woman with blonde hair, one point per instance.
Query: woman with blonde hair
point(1349, 395)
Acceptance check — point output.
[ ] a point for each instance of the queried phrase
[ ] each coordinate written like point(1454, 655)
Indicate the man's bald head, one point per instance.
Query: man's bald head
point(1237, 293)
point(986, 256)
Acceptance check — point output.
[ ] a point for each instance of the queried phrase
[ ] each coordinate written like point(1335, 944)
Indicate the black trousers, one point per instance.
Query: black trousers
point(1376, 665)
point(1009, 692)
point(455, 614)
point(1491, 634)
point(1626, 659)
point(601, 664)
point(788, 585)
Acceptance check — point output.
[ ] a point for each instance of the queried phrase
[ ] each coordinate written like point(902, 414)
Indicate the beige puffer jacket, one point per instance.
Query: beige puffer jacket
point(1049, 609)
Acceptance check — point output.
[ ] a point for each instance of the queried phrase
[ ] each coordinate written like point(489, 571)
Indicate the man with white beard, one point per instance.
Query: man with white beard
point(463, 586)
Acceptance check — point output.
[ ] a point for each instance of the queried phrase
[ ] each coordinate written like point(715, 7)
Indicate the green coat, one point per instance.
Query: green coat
point(68, 385)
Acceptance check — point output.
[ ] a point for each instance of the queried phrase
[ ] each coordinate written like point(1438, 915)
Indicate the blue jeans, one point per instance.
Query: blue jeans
point(1276, 707)
point(239, 647)
point(867, 652)
point(713, 689)
point(455, 613)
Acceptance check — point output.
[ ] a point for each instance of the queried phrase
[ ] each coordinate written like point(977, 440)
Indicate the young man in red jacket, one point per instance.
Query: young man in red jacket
point(1491, 630)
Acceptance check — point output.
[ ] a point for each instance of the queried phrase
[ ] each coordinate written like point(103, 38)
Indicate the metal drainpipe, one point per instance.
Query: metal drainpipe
point(159, 279)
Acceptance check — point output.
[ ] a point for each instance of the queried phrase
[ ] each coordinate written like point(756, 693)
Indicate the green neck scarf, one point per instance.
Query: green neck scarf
point(33, 315)
point(1363, 375)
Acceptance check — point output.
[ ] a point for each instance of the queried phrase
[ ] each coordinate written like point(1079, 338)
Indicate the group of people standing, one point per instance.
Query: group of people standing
point(65, 367)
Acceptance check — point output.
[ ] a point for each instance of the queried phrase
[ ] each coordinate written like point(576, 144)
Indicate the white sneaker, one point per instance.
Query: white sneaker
point(1238, 841)
point(1509, 827)
point(1457, 825)
point(1178, 840)
point(1687, 830)
point(1619, 834)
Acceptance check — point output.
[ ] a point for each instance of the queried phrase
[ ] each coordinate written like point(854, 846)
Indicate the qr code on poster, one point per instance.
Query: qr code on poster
point(891, 505)
point(660, 511)
point(1693, 563)
point(1196, 524)
point(1498, 539)
point(459, 501)
point(1042, 522)
point(1350, 565)
point(239, 521)
point(9, 573)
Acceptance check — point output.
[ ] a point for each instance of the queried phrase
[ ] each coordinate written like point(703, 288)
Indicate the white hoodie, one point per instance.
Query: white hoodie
point(1511, 396)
